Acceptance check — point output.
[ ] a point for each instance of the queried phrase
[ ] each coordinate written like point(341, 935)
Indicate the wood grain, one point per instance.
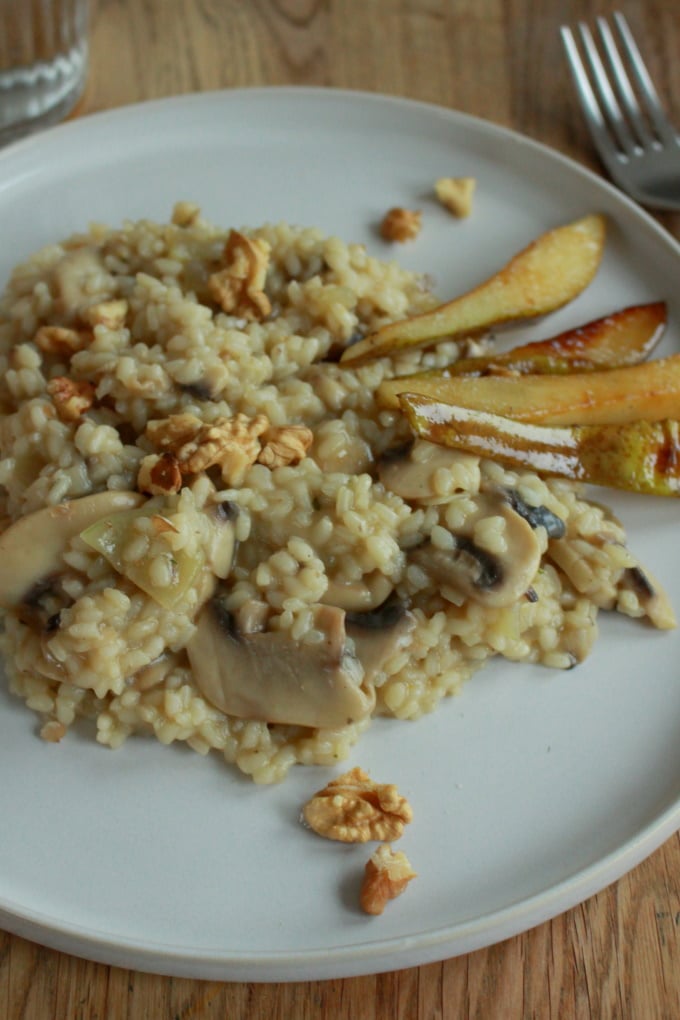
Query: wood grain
point(618, 954)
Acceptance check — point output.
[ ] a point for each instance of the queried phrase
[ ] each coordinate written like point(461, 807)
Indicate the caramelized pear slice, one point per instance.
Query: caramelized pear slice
point(549, 273)
point(625, 337)
point(647, 392)
point(640, 457)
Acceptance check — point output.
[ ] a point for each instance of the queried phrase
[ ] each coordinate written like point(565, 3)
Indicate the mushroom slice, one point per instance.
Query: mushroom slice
point(651, 596)
point(358, 596)
point(493, 578)
point(537, 516)
point(268, 676)
point(31, 549)
point(410, 470)
point(378, 634)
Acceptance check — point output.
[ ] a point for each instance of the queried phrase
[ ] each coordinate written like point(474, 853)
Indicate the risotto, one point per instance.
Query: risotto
point(212, 534)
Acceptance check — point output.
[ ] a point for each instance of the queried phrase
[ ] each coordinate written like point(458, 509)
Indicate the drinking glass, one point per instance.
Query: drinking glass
point(43, 62)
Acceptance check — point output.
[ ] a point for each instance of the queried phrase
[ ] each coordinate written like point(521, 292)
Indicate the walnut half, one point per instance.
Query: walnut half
point(159, 475)
point(456, 194)
point(354, 809)
point(285, 444)
point(71, 399)
point(232, 443)
point(238, 288)
point(401, 224)
point(386, 875)
point(61, 340)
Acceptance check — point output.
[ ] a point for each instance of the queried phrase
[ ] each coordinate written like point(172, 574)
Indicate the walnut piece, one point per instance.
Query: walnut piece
point(285, 444)
point(401, 225)
point(239, 288)
point(71, 399)
point(232, 443)
point(61, 341)
point(386, 875)
point(106, 313)
point(172, 432)
point(456, 194)
point(159, 475)
point(185, 214)
point(354, 809)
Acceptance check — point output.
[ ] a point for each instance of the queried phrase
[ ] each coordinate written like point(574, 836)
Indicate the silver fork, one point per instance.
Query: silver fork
point(636, 142)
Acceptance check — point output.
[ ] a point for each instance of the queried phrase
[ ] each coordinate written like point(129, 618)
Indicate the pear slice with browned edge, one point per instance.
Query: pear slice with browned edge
point(546, 275)
point(625, 337)
point(647, 392)
point(640, 457)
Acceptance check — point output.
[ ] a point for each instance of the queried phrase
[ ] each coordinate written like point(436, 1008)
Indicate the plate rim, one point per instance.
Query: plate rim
point(378, 955)
point(76, 123)
point(343, 961)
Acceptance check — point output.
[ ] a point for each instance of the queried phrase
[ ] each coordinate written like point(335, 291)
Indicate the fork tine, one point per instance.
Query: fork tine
point(609, 100)
point(647, 170)
point(589, 103)
point(623, 85)
point(649, 94)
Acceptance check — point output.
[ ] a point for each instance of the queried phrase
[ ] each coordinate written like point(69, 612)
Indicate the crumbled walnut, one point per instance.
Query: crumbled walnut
point(53, 731)
point(159, 475)
point(456, 194)
point(172, 432)
point(401, 225)
point(386, 875)
point(354, 809)
point(232, 443)
point(286, 444)
point(106, 313)
point(61, 341)
point(71, 399)
point(239, 288)
point(185, 214)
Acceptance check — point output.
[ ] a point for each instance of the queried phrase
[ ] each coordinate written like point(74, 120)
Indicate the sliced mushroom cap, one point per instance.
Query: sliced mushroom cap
point(358, 596)
point(651, 596)
point(537, 516)
point(494, 578)
point(31, 549)
point(410, 470)
point(378, 634)
point(268, 676)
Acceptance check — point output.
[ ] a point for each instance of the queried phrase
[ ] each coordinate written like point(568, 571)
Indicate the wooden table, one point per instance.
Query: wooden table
point(618, 954)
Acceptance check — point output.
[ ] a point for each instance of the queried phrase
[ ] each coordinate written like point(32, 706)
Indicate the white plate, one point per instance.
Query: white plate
point(534, 788)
